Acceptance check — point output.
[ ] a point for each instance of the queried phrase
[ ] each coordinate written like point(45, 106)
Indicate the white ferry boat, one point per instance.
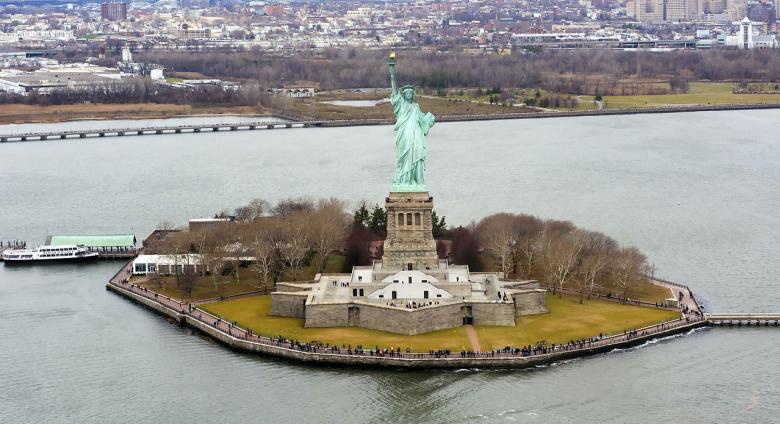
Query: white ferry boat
point(71, 253)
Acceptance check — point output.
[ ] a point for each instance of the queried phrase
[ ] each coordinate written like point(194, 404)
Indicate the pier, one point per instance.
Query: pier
point(738, 320)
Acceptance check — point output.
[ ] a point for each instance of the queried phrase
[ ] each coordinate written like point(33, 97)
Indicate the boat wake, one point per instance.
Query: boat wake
point(658, 340)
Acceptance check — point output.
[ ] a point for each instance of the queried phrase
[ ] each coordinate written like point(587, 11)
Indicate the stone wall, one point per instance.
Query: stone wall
point(530, 302)
point(289, 304)
point(409, 232)
point(327, 315)
point(410, 322)
point(294, 287)
point(457, 290)
point(493, 313)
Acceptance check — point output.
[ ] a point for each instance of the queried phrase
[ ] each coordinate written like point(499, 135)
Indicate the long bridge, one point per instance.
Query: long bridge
point(162, 129)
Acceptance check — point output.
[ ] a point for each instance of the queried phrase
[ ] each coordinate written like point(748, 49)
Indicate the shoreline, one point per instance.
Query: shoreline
point(559, 114)
point(239, 339)
point(293, 122)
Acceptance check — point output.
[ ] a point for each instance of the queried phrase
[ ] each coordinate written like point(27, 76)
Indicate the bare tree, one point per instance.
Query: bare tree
point(495, 234)
point(293, 243)
point(290, 206)
point(627, 266)
point(596, 253)
point(328, 228)
point(177, 249)
point(561, 254)
point(527, 231)
point(186, 281)
point(212, 244)
point(256, 208)
point(155, 278)
point(265, 257)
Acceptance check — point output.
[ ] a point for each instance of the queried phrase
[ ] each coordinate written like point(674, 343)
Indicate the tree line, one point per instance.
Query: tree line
point(557, 253)
point(580, 71)
point(277, 241)
point(142, 90)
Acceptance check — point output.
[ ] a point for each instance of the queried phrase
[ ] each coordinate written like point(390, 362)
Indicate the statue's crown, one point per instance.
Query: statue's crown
point(411, 87)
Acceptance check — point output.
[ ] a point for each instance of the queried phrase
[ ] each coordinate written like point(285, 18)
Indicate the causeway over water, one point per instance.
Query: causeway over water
point(698, 192)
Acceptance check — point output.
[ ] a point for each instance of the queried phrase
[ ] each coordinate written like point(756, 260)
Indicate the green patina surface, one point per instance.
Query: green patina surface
point(411, 127)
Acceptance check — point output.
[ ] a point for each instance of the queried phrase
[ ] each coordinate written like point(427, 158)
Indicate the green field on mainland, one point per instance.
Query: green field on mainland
point(699, 93)
point(567, 320)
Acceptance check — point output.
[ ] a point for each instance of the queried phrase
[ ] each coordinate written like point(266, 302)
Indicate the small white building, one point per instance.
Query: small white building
point(410, 285)
point(166, 264)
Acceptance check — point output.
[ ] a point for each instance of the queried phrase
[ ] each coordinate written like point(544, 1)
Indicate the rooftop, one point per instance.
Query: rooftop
point(114, 240)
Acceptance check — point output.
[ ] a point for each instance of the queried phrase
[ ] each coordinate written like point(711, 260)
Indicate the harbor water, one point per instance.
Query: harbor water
point(697, 192)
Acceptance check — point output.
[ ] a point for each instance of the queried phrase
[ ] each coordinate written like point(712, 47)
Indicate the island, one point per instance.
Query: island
point(394, 286)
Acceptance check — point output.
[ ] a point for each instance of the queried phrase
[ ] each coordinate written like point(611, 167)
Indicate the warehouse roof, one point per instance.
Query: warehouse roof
point(113, 240)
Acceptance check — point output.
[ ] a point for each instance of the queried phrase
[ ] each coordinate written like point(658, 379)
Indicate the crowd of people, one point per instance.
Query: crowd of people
point(13, 244)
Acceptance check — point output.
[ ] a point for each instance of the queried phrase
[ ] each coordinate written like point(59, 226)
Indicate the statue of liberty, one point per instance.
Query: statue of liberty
point(411, 127)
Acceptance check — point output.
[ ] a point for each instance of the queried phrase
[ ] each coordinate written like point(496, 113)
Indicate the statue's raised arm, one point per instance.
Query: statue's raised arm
point(391, 66)
point(411, 127)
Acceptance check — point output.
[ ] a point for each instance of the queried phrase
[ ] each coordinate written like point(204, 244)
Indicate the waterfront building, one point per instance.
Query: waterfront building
point(107, 244)
point(47, 81)
point(200, 224)
point(167, 264)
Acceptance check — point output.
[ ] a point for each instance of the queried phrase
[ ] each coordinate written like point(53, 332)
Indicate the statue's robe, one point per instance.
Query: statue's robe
point(411, 127)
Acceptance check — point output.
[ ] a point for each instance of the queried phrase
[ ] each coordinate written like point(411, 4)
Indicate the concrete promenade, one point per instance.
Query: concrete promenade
point(242, 339)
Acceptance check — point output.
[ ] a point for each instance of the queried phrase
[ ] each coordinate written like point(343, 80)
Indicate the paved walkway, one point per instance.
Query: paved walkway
point(685, 293)
point(472, 334)
point(120, 280)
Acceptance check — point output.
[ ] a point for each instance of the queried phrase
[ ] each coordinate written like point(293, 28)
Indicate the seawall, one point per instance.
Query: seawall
point(238, 339)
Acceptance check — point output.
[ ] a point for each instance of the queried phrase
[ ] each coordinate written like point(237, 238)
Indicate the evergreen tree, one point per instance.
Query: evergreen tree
point(378, 220)
point(439, 224)
point(361, 217)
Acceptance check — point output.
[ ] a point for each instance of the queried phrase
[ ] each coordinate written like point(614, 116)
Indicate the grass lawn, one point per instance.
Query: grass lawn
point(621, 102)
point(204, 287)
point(252, 312)
point(567, 320)
point(699, 93)
point(642, 291)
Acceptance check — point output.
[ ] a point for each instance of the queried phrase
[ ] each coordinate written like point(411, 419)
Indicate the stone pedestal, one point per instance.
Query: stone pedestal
point(409, 243)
